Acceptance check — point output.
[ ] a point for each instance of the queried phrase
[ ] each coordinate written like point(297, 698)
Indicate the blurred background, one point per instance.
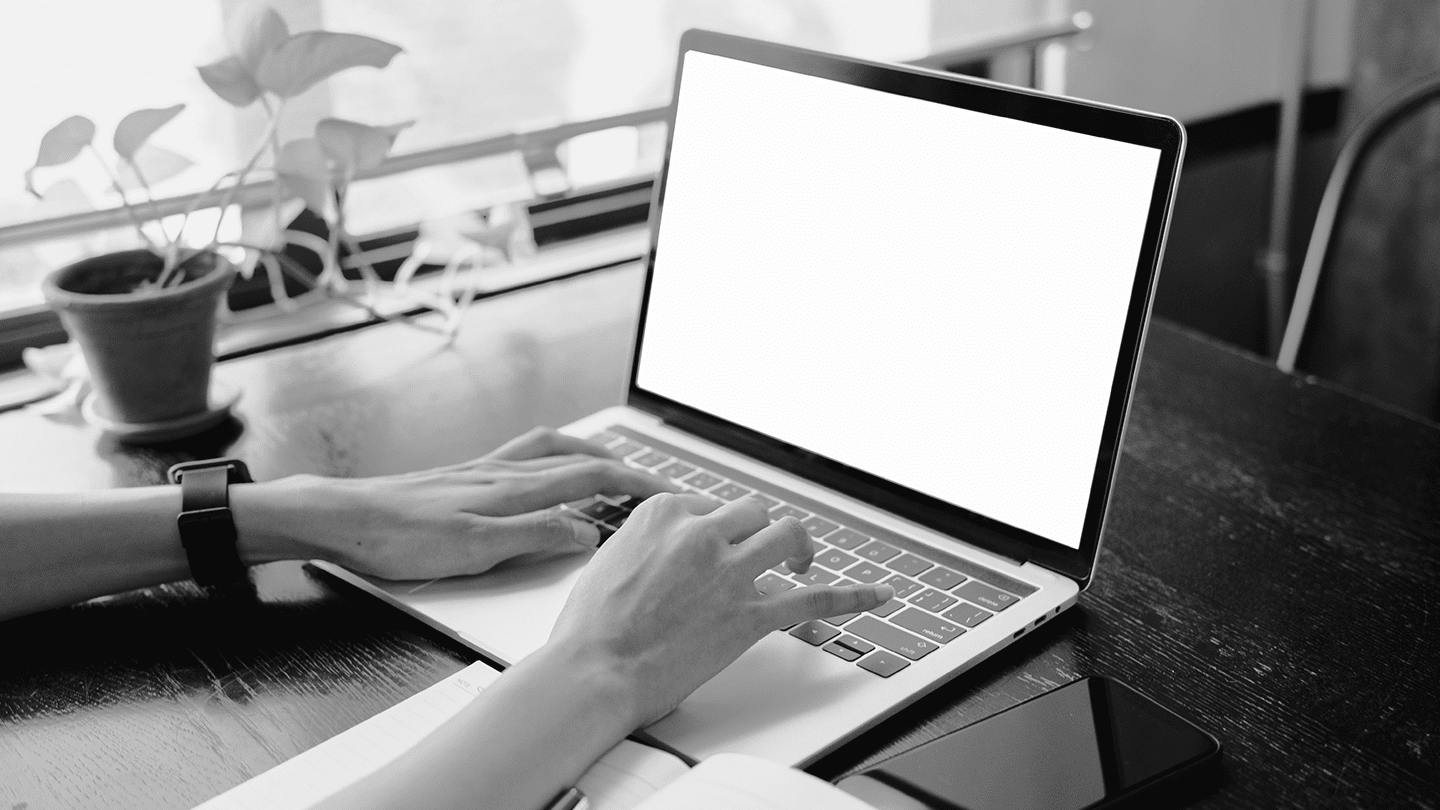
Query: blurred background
point(1268, 90)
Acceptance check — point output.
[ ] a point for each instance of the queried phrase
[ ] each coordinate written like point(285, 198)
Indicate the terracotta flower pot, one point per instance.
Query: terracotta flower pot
point(149, 352)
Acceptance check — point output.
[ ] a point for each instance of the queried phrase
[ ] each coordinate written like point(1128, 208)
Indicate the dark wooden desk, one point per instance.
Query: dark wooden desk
point(1270, 570)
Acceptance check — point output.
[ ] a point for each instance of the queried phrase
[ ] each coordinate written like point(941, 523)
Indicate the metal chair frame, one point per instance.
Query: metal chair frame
point(1335, 199)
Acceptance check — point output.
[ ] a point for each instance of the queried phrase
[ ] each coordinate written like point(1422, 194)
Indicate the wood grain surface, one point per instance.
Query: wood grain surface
point(1269, 570)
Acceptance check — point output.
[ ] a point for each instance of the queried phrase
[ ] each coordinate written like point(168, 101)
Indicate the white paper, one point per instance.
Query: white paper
point(740, 782)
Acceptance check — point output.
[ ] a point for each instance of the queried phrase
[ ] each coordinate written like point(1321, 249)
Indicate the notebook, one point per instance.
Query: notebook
point(630, 775)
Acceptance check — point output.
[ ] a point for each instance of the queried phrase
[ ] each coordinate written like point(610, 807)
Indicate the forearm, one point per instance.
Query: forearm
point(60, 549)
point(528, 736)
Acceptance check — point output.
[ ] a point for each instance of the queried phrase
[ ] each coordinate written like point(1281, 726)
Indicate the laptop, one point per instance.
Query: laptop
point(905, 307)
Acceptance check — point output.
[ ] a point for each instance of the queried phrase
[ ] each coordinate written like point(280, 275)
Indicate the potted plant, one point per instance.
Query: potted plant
point(145, 319)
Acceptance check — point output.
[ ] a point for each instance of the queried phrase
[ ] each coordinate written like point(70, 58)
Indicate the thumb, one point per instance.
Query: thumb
point(550, 530)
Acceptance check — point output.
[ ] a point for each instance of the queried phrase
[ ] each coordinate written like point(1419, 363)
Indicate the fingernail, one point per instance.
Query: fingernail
point(586, 534)
point(884, 592)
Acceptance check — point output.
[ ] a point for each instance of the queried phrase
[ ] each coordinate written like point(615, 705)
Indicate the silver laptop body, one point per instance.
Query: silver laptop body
point(907, 306)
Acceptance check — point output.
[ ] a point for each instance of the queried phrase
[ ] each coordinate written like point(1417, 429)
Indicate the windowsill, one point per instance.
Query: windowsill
point(269, 327)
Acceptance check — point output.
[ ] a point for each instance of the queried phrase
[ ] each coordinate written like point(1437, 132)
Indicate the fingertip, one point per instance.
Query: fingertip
point(798, 565)
point(883, 593)
point(585, 534)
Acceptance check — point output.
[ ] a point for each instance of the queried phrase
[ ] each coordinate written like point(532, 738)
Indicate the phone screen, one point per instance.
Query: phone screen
point(1083, 745)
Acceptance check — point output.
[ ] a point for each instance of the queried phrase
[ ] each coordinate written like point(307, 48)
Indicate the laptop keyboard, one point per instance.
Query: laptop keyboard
point(933, 604)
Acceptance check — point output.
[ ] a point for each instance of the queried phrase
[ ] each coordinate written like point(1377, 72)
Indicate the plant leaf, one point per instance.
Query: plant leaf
point(60, 145)
point(304, 170)
point(354, 147)
point(136, 128)
point(312, 56)
point(303, 158)
point(154, 164)
point(64, 197)
point(231, 81)
point(254, 32)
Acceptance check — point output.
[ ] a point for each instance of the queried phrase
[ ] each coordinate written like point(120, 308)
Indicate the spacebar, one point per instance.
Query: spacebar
point(891, 638)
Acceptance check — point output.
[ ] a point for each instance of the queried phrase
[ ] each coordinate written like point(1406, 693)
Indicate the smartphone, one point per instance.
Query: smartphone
point(1092, 743)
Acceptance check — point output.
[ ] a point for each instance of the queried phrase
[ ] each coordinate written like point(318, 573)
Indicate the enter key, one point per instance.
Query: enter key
point(925, 624)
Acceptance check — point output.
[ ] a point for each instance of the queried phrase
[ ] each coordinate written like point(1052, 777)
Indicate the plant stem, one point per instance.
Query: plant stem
point(275, 161)
point(239, 181)
point(154, 209)
point(125, 202)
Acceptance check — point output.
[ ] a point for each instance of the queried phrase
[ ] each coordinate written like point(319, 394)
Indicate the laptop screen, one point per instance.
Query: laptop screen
point(928, 294)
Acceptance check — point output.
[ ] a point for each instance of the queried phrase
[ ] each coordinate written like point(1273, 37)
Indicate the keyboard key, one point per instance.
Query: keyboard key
point(877, 551)
point(835, 559)
point(847, 539)
point(866, 572)
point(676, 469)
point(814, 632)
point(604, 437)
point(926, 625)
point(785, 510)
point(702, 480)
point(966, 614)
point(765, 501)
point(986, 596)
point(933, 600)
point(841, 619)
point(910, 565)
point(884, 664)
point(903, 587)
point(842, 583)
point(627, 449)
point(887, 608)
point(840, 650)
point(650, 459)
point(858, 645)
point(769, 583)
point(942, 578)
point(815, 576)
point(816, 547)
point(818, 526)
point(891, 638)
point(602, 511)
point(730, 491)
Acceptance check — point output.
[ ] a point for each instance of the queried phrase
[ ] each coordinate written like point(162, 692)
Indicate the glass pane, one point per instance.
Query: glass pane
point(104, 59)
point(488, 66)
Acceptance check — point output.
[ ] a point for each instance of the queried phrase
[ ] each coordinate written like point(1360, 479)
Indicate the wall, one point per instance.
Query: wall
point(1197, 58)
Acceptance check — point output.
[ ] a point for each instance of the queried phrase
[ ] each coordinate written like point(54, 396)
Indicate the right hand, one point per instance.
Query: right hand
point(670, 600)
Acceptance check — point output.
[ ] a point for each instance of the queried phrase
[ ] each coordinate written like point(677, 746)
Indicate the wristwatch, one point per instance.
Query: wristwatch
point(207, 529)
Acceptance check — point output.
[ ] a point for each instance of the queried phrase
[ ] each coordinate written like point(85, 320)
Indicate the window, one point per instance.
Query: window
point(471, 69)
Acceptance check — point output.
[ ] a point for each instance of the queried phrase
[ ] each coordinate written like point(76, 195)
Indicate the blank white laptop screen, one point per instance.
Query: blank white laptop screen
point(932, 295)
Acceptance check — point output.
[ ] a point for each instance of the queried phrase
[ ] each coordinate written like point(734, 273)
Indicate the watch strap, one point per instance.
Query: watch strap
point(207, 527)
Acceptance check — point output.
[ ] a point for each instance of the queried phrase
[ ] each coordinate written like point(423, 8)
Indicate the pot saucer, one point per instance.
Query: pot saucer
point(223, 396)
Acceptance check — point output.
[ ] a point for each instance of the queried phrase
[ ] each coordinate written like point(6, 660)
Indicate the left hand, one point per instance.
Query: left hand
point(461, 519)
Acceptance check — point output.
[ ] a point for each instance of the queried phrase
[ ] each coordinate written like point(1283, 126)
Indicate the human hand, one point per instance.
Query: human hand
point(670, 600)
point(448, 521)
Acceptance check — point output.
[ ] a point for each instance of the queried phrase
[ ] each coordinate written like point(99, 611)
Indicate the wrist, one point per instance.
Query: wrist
point(271, 519)
point(599, 681)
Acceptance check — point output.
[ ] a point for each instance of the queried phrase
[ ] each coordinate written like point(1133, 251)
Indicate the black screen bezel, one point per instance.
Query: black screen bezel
point(1160, 132)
